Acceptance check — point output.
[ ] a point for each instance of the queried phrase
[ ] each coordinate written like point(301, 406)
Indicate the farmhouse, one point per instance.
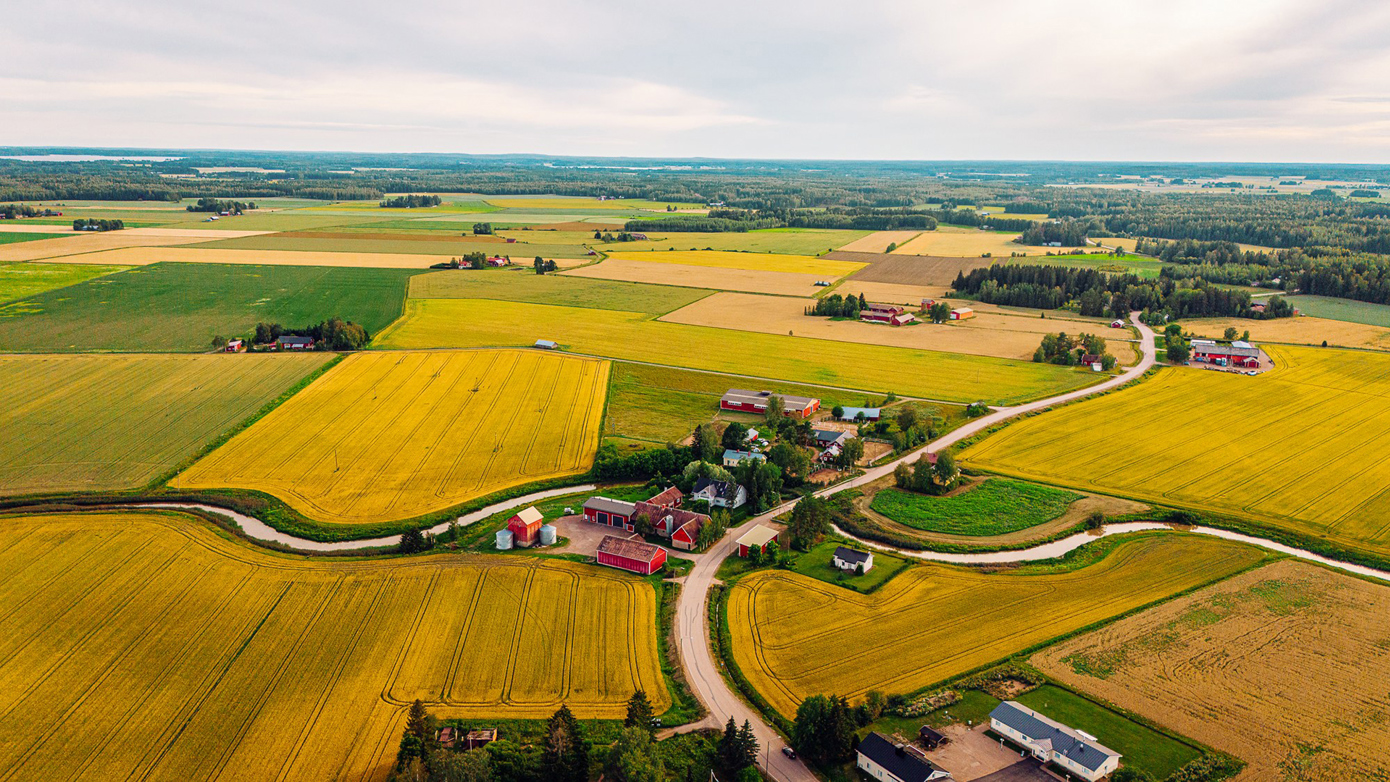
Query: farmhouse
point(294, 343)
point(1052, 742)
point(744, 401)
point(477, 739)
point(525, 527)
point(828, 437)
point(962, 313)
point(446, 736)
point(720, 494)
point(234, 345)
point(758, 537)
point(851, 559)
point(881, 758)
point(735, 458)
point(633, 556)
point(854, 413)
point(681, 526)
point(1237, 354)
point(670, 498)
point(891, 314)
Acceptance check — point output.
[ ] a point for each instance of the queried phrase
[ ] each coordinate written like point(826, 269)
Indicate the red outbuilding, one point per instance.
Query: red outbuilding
point(633, 556)
point(525, 526)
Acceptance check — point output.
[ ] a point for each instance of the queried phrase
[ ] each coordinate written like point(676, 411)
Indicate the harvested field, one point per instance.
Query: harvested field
point(1283, 667)
point(1302, 330)
point(18, 280)
point(761, 262)
point(12, 227)
point(781, 283)
point(892, 293)
point(586, 203)
point(196, 657)
point(505, 218)
point(950, 241)
point(634, 337)
point(934, 622)
point(294, 220)
point(909, 269)
point(564, 290)
point(1300, 447)
point(794, 241)
point(181, 306)
point(93, 423)
point(88, 245)
point(398, 244)
point(878, 241)
point(146, 256)
point(988, 334)
point(387, 436)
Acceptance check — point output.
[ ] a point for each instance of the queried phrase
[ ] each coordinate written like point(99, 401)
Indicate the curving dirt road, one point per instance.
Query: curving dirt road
point(703, 672)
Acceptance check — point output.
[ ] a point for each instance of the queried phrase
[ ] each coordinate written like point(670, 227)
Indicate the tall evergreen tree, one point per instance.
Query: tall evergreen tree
point(566, 754)
point(639, 712)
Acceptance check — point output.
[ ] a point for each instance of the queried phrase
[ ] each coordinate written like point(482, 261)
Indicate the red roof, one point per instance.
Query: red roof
point(670, 496)
point(628, 549)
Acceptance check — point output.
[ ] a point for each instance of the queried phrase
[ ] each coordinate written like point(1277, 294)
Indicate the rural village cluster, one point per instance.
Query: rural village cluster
point(460, 469)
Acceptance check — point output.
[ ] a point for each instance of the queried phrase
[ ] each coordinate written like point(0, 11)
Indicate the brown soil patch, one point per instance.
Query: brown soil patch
point(873, 451)
point(1285, 667)
point(909, 269)
point(824, 476)
point(109, 240)
point(878, 241)
point(1303, 330)
point(783, 283)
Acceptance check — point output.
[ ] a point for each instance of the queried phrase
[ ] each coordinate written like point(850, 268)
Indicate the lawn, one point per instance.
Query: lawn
point(817, 564)
point(1143, 748)
point(92, 423)
point(794, 636)
point(436, 323)
point(994, 507)
point(792, 241)
point(197, 657)
point(180, 307)
point(1299, 448)
point(1343, 309)
point(661, 404)
point(524, 285)
point(18, 280)
point(391, 436)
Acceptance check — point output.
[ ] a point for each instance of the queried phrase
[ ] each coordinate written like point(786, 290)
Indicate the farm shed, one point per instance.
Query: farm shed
point(1237, 354)
point(883, 759)
point(1052, 742)
point(962, 313)
point(477, 739)
point(525, 527)
point(613, 513)
point(547, 344)
point(757, 537)
point(891, 314)
point(720, 494)
point(852, 558)
point(745, 401)
point(233, 345)
point(294, 343)
point(633, 556)
point(869, 413)
point(931, 738)
point(735, 458)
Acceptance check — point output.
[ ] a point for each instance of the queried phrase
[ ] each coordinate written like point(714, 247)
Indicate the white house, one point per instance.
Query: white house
point(734, 458)
point(881, 758)
point(1052, 742)
point(850, 559)
point(719, 494)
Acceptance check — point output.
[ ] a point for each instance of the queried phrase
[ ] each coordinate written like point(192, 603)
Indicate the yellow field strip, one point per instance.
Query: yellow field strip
point(148, 255)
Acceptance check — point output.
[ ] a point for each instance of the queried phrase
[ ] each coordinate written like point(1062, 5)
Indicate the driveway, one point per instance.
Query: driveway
point(583, 536)
point(972, 756)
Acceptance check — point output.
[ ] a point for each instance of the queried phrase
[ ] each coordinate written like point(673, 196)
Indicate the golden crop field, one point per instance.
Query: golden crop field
point(951, 377)
point(1284, 667)
point(795, 636)
point(149, 646)
point(91, 423)
point(878, 241)
point(988, 334)
point(957, 242)
point(1300, 447)
point(385, 436)
point(79, 246)
point(758, 262)
point(1303, 330)
point(779, 283)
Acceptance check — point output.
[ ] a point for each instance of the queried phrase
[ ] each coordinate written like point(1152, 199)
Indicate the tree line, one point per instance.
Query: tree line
point(412, 201)
point(210, 204)
point(97, 224)
point(332, 334)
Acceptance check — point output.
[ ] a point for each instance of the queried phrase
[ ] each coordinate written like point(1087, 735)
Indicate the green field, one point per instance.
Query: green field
point(816, 564)
point(660, 404)
point(994, 507)
point(1143, 748)
point(363, 242)
point(181, 306)
point(523, 285)
point(15, 237)
point(18, 280)
point(790, 241)
point(461, 323)
point(88, 423)
point(297, 220)
point(1343, 309)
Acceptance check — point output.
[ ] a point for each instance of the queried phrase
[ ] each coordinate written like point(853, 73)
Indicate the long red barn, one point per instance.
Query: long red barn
point(633, 556)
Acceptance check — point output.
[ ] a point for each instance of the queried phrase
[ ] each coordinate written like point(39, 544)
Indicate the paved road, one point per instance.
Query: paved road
point(701, 670)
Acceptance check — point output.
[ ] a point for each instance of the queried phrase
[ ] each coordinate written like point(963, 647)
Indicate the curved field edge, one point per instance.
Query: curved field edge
point(632, 336)
point(248, 651)
point(779, 691)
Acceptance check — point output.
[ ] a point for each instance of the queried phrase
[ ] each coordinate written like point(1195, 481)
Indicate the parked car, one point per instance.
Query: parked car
point(789, 752)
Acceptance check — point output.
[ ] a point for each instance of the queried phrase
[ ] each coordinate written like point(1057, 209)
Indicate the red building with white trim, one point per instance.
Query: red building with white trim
point(633, 556)
point(891, 314)
point(744, 401)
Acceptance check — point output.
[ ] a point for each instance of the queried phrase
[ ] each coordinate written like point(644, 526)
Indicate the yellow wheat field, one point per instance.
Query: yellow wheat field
point(778, 283)
point(1301, 447)
point(878, 241)
point(759, 262)
point(956, 242)
point(386, 436)
point(147, 646)
point(794, 636)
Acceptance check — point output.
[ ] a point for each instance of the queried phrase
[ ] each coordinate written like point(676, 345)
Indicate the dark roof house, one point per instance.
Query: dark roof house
point(1052, 741)
point(852, 556)
point(897, 762)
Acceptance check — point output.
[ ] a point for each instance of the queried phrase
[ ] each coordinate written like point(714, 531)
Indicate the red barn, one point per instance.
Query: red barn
point(756, 402)
point(891, 314)
point(670, 498)
point(525, 526)
point(612, 513)
point(633, 556)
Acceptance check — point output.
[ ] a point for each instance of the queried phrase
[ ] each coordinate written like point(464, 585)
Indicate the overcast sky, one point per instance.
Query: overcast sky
point(997, 79)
